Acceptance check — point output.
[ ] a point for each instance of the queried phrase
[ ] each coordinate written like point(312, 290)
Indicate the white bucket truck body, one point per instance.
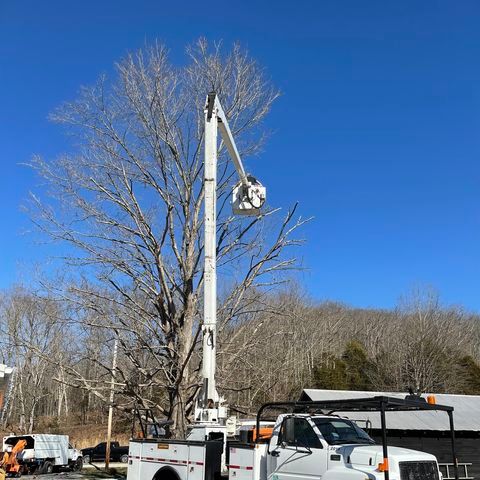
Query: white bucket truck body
point(302, 446)
point(284, 457)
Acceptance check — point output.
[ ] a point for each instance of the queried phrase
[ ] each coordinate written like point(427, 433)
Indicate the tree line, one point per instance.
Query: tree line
point(64, 363)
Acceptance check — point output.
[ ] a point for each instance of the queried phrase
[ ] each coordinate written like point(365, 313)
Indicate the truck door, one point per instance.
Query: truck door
point(99, 451)
point(299, 453)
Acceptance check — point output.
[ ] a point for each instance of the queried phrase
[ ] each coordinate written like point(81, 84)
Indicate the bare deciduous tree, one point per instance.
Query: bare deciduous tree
point(34, 338)
point(128, 203)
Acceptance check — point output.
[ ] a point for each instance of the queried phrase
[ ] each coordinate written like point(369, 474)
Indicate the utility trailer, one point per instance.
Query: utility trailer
point(309, 440)
point(44, 453)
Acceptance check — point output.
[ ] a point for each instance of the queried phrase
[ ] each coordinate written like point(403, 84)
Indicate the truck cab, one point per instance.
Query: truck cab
point(98, 453)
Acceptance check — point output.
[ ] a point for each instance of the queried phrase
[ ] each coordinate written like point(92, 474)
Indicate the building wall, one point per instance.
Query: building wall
point(439, 444)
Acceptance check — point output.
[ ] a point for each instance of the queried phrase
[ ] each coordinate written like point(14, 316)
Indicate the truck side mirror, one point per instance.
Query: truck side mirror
point(290, 431)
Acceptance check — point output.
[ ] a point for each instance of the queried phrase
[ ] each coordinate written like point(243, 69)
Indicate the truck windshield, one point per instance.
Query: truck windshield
point(337, 431)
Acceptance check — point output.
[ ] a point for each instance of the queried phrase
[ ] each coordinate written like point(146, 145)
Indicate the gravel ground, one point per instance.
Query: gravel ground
point(102, 465)
point(89, 472)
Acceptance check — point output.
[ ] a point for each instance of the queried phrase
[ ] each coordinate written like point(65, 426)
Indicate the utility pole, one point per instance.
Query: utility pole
point(110, 407)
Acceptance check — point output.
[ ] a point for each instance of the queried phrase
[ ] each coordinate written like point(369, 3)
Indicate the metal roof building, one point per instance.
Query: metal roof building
point(466, 411)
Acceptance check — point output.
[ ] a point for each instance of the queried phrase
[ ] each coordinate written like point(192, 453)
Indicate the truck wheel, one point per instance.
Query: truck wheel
point(124, 458)
point(86, 459)
point(47, 467)
point(78, 464)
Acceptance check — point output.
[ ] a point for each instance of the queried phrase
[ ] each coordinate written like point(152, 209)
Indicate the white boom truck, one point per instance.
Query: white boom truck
point(301, 447)
point(44, 453)
point(308, 442)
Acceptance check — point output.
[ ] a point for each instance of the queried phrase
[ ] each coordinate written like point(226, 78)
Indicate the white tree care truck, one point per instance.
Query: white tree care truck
point(44, 453)
point(308, 441)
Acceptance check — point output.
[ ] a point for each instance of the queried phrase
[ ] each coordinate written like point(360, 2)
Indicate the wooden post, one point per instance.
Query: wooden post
point(110, 407)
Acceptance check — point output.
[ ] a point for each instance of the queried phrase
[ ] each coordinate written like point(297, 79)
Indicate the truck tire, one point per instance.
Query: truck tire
point(86, 459)
point(47, 467)
point(124, 458)
point(77, 464)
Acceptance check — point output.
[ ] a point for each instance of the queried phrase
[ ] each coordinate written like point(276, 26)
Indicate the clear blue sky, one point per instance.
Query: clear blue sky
point(377, 134)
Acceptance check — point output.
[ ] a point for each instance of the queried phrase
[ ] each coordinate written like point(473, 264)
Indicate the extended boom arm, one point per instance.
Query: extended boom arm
point(248, 198)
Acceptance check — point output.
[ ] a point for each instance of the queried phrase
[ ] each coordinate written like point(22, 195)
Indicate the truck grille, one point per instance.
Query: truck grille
point(418, 471)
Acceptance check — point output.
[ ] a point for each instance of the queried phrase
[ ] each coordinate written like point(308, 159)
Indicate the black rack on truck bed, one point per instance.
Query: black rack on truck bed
point(372, 404)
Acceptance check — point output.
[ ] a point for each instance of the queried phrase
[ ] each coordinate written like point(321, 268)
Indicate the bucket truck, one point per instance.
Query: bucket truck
point(249, 195)
point(301, 443)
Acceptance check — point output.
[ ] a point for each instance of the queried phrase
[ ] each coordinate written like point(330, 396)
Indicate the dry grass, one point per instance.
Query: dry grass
point(83, 436)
